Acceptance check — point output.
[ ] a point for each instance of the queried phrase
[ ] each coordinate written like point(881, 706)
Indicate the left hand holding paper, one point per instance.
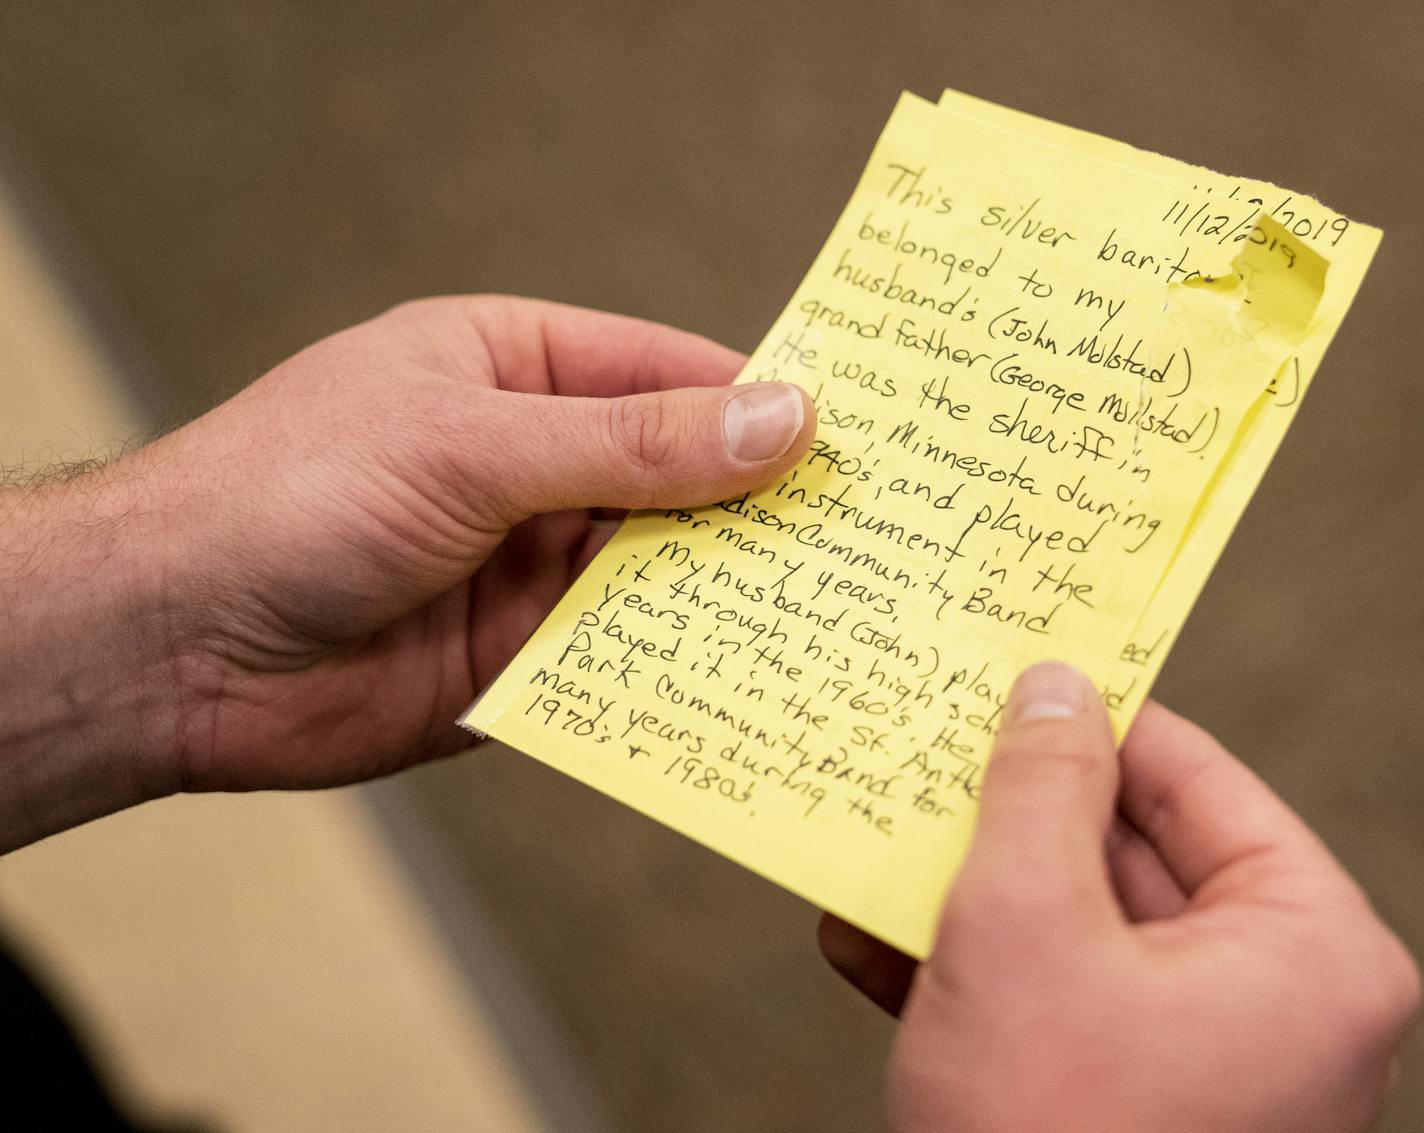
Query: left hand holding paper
point(392, 571)
point(341, 556)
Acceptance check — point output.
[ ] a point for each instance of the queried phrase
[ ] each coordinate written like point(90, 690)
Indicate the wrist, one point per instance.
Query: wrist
point(87, 701)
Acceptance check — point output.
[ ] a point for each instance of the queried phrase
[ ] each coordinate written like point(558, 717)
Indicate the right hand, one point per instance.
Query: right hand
point(1205, 965)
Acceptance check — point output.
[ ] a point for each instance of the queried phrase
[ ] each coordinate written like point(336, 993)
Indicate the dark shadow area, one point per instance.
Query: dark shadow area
point(49, 1067)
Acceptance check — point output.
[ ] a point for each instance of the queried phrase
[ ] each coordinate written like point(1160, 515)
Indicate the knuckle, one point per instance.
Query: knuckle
point(1383, 994)
point(1047, 752)
point(1170, 804)
point(1075, 760)
point(1411, 983)
point(645, 433)
point(1397, 995)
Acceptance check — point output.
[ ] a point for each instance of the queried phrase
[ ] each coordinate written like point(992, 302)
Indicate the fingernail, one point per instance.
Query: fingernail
point(1049, 690)
point(761, 421)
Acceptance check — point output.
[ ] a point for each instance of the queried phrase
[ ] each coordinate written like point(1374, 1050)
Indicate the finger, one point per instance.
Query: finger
point(880, 972)
point(522, 581)
point(1206, 814)
point(678, 448)
point(1145, 887)
point(1048, 800)
point(534, 346)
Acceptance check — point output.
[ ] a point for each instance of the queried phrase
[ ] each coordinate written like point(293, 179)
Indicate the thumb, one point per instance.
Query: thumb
point(1039, 852)
point(674, 448)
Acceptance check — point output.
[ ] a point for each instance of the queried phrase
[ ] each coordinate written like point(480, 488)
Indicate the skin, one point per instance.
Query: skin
point(305, 586)
point(1143, 941)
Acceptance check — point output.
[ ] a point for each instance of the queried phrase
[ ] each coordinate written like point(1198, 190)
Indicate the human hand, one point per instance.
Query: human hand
point(1200, 962)
point(318, 575)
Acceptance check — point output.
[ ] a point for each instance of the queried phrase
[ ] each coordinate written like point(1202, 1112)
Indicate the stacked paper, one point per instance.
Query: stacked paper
point(1049, 371)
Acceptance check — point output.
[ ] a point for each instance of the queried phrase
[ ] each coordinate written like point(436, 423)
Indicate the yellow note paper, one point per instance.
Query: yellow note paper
point(1049, 371)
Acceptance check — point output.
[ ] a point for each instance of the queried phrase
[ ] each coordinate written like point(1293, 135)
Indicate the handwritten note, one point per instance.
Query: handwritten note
point(1049, 371)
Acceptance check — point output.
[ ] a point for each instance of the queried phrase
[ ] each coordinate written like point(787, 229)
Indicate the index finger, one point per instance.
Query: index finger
point(535, 346)
point(1209, 816)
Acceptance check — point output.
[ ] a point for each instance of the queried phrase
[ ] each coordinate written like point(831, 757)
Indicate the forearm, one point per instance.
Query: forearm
point(85, 692)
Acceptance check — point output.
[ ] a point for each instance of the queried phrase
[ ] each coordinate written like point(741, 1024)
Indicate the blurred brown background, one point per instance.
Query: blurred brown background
point(245, 177)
